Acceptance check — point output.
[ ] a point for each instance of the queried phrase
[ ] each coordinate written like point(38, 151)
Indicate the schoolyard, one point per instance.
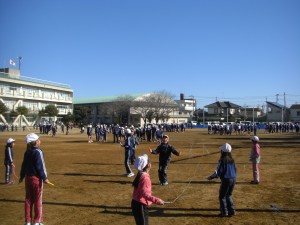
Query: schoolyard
point(90, 188)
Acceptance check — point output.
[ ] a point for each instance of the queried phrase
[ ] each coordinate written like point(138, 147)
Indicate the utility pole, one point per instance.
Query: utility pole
point(253, 116)
point(227, 114)
point(285, 117)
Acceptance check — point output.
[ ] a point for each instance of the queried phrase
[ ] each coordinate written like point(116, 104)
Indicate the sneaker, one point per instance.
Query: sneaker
point(9, 182)
point(254, 182)
point(28, 224)
point(130, 175)
point(230, 214)
point(38, 224)
point(223, 215)
point(164, 184)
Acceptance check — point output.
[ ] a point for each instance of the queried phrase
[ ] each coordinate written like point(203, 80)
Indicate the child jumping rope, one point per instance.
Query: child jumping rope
point(164, 150)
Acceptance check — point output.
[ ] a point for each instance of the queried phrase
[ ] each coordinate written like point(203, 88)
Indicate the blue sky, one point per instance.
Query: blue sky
point(243, 51)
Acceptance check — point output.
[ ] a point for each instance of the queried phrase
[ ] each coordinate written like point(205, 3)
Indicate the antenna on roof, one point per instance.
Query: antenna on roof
point(277, 95)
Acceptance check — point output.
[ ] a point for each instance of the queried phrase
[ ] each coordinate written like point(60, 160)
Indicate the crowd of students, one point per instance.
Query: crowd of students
point(251, 128)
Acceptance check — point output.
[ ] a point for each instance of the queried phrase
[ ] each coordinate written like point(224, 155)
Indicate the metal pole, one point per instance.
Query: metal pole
point(20, 58)
point(253, 115)
point(203, 115)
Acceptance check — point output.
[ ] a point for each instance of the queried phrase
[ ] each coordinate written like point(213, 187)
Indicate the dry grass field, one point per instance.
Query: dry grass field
point(90, 188)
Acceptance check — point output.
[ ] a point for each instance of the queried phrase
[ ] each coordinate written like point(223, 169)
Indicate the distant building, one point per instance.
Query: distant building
point(221, 111)
point(277, 112)
point(101, 108)
point(228, 111)
point(295, 113)
point(34, 94)
point(186, 109)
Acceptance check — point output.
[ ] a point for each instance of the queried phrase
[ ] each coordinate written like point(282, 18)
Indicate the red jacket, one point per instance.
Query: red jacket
point(143, 193)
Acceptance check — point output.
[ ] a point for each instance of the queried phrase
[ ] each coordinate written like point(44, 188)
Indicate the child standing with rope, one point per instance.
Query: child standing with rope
point(142, 196)
point(35, 174)
point(8, 160)
point(226, 171)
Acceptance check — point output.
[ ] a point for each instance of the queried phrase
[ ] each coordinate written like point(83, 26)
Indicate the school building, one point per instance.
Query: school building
point(102, 110)
point(34, 94)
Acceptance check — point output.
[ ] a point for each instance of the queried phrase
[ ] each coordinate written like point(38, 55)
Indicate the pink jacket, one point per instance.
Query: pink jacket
point(255, 152)
point(143, 193)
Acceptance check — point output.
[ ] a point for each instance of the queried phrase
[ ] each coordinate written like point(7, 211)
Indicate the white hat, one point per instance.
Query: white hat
point(254, 138)
point(141, 162)
point(10, 140)
point(226, 148)
point(31, 137)
point(128, 131)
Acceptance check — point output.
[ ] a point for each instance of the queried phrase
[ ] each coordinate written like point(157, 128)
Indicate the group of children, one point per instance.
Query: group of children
point(34, 172)
point(142, 196)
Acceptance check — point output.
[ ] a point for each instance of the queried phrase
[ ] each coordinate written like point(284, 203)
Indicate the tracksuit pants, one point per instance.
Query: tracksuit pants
point(8, 173)
point(255, 171)
point(225, 196)
point(140, 213)
point(162, 172)
point(128, 154)
point(34, 192)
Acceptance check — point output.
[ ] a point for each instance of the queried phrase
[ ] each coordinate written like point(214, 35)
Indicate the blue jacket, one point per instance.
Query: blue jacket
point(165, 151)
point(9, 155)
point(224, 170)
point(130, 143)
point(33, 164)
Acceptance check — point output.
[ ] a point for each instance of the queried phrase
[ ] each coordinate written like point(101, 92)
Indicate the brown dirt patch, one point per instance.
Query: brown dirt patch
point(90, 189)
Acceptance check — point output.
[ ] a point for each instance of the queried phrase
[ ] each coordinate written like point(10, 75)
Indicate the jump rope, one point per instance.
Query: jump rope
point(190, 177)
point(15, 175)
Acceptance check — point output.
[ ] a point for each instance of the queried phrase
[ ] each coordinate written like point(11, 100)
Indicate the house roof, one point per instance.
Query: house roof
point(102, 99)
point(225, 104)
point(295, 106)
point(277, 105)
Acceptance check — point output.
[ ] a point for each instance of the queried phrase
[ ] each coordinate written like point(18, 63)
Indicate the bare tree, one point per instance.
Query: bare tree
point(120, 108)
point(158, 106)
point(144, 107)
point(81, 114)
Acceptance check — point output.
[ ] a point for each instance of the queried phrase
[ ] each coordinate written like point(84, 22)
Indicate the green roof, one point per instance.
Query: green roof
point(102, 99)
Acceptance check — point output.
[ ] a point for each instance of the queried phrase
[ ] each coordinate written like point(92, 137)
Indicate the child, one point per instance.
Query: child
point(226, 171)
point(255, 158)
point(164, 150)
point(129, 151)
point(34, 171)
point(142, 196)
point(8, 160)
point(89, 132)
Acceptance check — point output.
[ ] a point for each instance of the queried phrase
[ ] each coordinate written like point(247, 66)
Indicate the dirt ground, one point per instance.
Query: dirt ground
point(90, 188)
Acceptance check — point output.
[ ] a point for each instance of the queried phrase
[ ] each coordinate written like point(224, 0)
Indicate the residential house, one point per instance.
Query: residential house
point(295, 113)
point(277, 112)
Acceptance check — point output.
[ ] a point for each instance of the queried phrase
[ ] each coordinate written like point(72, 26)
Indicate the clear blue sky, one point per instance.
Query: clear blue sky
point(243, 51)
